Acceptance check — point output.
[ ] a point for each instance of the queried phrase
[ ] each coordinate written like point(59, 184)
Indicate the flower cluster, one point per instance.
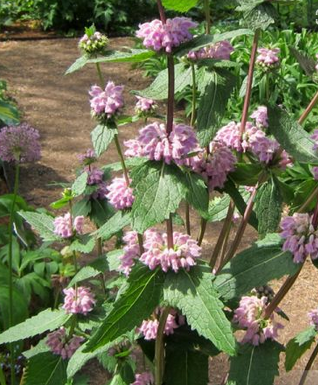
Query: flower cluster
point(268, 58)
point(145, 378)
point(93, 44)
point(131, 251)
point(249, 316)
point(160, 36)
point(62, 345)
point(20, 144)
point(315, 172)
point(95, 178)
point(314, 136)
point(120, 194)
point(301, 239)
point(105, 103)
point(144, 106)
point(260, 117)
point(313, 315)
point(78, 301)
point(149, 328)
point(215, 166)
point(88, 157)
point(154, 143)
point(65, 225)
point(221, 50)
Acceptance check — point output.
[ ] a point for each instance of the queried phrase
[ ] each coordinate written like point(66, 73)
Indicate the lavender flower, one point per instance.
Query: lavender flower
point(106, 103)
point(315, 172)
point(88, 157)
point(119, 194)
point(65, 227)
point(78, 301)
point(95, 175)
point(314, 136)
point(221, 50)
point(260, 116)
point(249, 316)
point(268, 58)
point(93, 44)
point(62, 345)
point(20, 144)
point(145, 107)
point(145, 378)
point(131, 252)
point(301, 237)
point(313, 315)
point(159, 36)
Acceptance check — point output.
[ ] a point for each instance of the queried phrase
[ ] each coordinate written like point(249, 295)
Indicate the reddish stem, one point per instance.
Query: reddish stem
point(170, 93)
point(311, 105)
point(161, 12)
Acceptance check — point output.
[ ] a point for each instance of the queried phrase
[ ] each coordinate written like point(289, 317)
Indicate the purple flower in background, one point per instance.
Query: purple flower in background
point(64, 226)
point(119, 194)
point(145, 106)
point(260, 116)
point(268, 57)
point(315, 172)
point(145, 378)
point(314, 136)
point(88, 157)
point(313, 315)
point(159, 36)
point(221, 50)
point(78, 301)
point(20, 144)
point(249, 316)
point(301, 239)
point(62, 345)
point(106, 102)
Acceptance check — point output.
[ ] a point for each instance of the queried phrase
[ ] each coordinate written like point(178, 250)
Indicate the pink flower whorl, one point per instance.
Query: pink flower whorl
point(145, 378)
point(63, 225)
point(78, 301)
point(106, 102)
point(119, 194)
point(61, 345)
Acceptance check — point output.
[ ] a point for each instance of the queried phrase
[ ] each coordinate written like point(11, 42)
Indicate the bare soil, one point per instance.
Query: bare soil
point(58, 106)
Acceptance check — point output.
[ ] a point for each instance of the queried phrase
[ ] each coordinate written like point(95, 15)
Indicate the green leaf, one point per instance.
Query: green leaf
point(116, 223)
point(79, 185)
point(260, 17)
point(291, 136)
point(218, 208)
point(158, 190)
point(268, 207)
point(77, 65)
point(46, 369)
point(102, 136)
point(84, 245)
point(41, 347)
point(184, 367)
point(9, 114)
point(86, 272)
point(255, 266)
point(306, 62)
point(179, 5)
point(82, 207)
point(47, 320)
point(101, 211)
point(125, 376)
point(246, 174)
point(298, 345)
point(113, 259)
point(248, 5)
point(158, 89)
point(197, 195)
point(42, 223)
point(20, 308)
point(193, 293)
point(255, 364)
point(136, 304)
point(213, 104)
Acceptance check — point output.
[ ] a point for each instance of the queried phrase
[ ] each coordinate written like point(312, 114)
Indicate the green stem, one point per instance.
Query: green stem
point(207, 16)
point(15, 192)
point(141, 243)
point(159, 347)
point(100, 76)
point(187, 213)
point(2, 377)
point(202, 231)
point(194, 94)
point(309, 365)
point(308, 201)
point(267, 86)
point(122, 160)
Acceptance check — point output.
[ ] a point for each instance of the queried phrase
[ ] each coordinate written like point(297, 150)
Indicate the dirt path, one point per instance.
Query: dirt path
point(58, 106)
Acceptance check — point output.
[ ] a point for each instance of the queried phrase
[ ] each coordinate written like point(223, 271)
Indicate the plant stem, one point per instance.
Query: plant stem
point(122, 160)
point(141, 243)
point(170, 104)
point(159, 347)
point(309, 365)
point(207, 17)
point(281, 294)
point(194, 94)
point(15, 192)
point(222, 235)
point(2, 378)
point(187, 213)
point(101, 79)
point(249, 81)
point(202, 231)
point(161, 12)
point(308, 200)
point(311, 105)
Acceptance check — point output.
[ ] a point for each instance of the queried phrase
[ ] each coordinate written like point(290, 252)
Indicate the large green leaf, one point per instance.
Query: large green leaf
point(158, 89)
point(268, 207)
point(116, 223)
point(248, 5)
point(20, 308)
point(125, 375)
point(255, 364)
point(212, 105)
point(158, 190)
point(47, 320)
point(46, 369)
point(193, 293)
point(136, 304)
point(298, 345)
point(218, 208)
point(260, 17)
point(306, 62)
point(291, 136)
point(179, 5)
point(79, 185)
point(255, 266)
point(9, 114)
point(197, 194)
point(102, 136)
point(42, 223)
point(85, 244)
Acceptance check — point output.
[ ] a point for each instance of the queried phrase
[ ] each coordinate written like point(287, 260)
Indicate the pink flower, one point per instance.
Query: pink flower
point(159, 36)
point(145, 378)
point(268, 57)
point(78, 301)
point(95, 175)
point(221, 50)
point(106, 102)
point(260, 116)
point(263, 147)
point(65, 227)
point(119, 194)
point(145, 106)
point(20, 144)
point(315, 172)
point(314, 136)
point(313, 315)
point(131, 252)
point(301, 237)
point(249, 316)
point(62, 345)
point(88, 157)
point(154, 143)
